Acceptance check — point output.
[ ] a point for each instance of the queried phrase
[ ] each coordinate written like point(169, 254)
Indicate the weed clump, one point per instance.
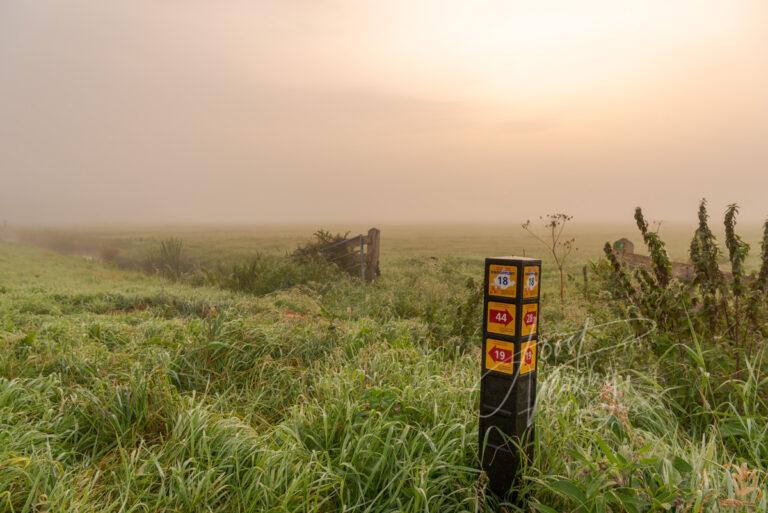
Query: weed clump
point(268, 273)
point(558, 247)
point(730, 309)
point(133, 394)
point(320, 261)
point(169, 260)
point(336, 249)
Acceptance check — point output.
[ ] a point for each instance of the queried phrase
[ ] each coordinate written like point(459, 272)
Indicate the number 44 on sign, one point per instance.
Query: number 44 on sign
point(501, 318)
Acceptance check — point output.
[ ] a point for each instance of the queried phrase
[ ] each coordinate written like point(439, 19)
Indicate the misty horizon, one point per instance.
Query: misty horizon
point(252, 113)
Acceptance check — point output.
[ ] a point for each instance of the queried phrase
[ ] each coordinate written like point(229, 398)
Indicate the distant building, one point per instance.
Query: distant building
point(624, 246)
point(625, 250)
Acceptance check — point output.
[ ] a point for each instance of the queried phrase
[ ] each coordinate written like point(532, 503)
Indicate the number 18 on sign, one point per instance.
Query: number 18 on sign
point(508, 383)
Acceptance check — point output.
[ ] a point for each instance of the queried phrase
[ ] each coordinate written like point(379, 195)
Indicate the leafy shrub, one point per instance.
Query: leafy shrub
point(268, 273)
point(335, 249)
point(109, 254)
point(107, 415)
point(729, 307)
point(169, 260)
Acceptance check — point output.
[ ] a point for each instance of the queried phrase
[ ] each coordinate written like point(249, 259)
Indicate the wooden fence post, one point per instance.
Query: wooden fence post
point(362, 257)
point(372, 257)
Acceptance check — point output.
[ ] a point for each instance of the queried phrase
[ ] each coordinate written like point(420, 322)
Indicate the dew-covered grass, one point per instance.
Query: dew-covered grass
point(122, 392)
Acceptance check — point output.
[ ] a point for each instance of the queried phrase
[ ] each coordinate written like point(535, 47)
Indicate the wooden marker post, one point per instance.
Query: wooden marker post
point(508, 383)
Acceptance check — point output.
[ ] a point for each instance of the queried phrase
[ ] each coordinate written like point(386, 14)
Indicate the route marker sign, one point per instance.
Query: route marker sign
point(500, 356)
point(501, 318)
point(530, 320)
point(531, 281)
point(502, 280)
point(508, 384)
point(527, 357)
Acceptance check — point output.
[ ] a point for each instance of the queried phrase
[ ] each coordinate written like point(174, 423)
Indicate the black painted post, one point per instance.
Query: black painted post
point(508, 384)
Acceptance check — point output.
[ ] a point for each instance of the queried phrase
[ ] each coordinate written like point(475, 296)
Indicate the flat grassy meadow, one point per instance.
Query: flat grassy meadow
point(122, 390)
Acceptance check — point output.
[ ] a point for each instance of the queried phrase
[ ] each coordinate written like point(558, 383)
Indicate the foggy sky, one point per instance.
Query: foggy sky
point(168, 111)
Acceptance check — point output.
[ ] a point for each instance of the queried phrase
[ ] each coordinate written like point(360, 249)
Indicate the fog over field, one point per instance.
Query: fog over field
point(330, 111)
point(424, 256)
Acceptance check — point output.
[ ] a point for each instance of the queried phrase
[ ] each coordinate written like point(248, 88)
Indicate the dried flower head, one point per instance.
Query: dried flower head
point(611, 401)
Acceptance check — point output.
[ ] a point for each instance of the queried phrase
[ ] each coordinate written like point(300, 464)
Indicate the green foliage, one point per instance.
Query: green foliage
point(723, 310)
point(653, 296)
point(468, 310)
point(268, 273)
point(335, 249)
point(708, 276)
point(620, 281)
point(762, 277)
point(169, 260)
point(123, 392)
point(662, 268)
point(617, 483)
point(737, 249)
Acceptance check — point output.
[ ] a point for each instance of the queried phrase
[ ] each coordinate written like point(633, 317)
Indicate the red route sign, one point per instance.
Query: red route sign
point(528, 356)
point(500, 355)
point(530, 318)
point(501, 316)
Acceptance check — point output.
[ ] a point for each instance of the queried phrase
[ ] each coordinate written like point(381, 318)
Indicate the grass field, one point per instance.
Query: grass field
point(121, 391)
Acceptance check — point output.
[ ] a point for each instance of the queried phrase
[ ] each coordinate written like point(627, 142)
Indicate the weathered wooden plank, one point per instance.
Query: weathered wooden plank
point(373, 240)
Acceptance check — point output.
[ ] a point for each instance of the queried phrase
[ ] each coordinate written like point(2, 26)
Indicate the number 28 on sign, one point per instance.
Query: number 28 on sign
point(530, 317)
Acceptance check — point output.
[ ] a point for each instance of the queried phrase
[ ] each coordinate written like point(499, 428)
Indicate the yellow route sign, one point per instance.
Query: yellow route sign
point(530, 281)
point(500, 356)
point(527, 357)
point(501, 318)
point(502, 280)
point(530, 320)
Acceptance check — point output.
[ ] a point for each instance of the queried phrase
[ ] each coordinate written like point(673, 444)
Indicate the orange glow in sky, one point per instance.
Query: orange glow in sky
point(232, 110)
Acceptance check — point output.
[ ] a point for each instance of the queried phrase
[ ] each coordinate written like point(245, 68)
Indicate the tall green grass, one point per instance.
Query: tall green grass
point(121, 392)
point(264, 274)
